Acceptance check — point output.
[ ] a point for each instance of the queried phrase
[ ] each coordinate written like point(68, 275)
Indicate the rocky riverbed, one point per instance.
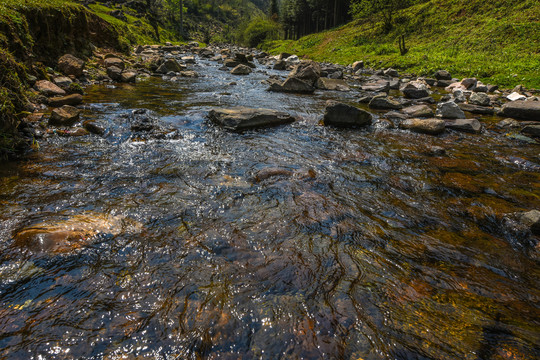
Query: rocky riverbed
point(220, 202)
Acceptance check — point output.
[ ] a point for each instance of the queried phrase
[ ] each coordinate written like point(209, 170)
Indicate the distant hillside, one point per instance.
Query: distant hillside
point(497, 41)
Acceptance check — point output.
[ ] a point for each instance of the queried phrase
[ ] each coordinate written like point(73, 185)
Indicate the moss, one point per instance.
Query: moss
point(75, 88)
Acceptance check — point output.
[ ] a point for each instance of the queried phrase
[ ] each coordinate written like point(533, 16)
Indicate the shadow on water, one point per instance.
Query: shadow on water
point(296, 242)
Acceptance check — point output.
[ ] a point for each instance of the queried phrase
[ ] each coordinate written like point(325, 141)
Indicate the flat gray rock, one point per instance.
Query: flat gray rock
point(525, 110)
point(424, 126)
point(243, 118)
point(465, 125)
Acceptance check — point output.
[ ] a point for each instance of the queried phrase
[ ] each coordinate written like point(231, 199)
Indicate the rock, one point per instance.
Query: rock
point(280, 65)
point(376, 86)
point(189, 74)
point(139, 49)
point(241, 69)
point(531, 219)
point(508, 123)
point(492, 88)
point(415, 89)
point(284, 56)
point(419, 111)
point(242, 118)
point(128, 77)
point(307, 71)
point(476, 109)
point(62, 81)
point(424, 126)
point(231, 63)
point(292, 85)
point(343, 115)
point(170, 65)
point(114, 61)
point(357, 65)
point(66, 236)
point(466, 125)
point(47, 88)
point(64, 116)
point(443, 75)
point(469, 83)
point(459, 96)
point(515, 96)
point(188, 59)
point(71, 65)
point(267, 173)
point(525, 110)
point(481, 88)
point(518, 89)
point(478, 98)
point(384, 102)
point(332, 84)
point(450, 110)
point(73, 99)
point(532, 130)
point(114, 73)
point(93, 128)
point(391, 72)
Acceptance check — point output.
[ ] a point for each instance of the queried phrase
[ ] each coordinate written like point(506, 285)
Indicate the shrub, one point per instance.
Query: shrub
point(259, 30)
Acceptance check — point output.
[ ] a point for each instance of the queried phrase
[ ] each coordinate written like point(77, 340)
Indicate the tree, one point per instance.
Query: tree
point(383, 8)
point(273, 9)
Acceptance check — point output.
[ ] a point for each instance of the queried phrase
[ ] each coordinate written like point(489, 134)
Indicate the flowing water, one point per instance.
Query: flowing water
point(362, 245)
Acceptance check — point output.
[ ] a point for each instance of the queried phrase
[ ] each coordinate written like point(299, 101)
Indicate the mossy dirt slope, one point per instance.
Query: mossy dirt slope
point(497, 41)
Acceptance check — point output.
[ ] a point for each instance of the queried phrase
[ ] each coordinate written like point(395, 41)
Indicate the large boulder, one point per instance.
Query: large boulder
point(47, 88)
point(424, 126)
point(416, 89)
point(450, 110)
point(71, 65)
point(128, 77)
point(343, 115)
point(307, 71)
point(64, 116)
point(385, 102)
point(73, 99)
point(332, 84)
point(531, 219)
point(170, 65)
point(241, 69)
point(62, 81)
point(525, 110)
point(292, 85)
point(242, 118)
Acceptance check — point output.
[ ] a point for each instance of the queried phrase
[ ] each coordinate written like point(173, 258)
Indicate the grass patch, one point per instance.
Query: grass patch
point(496, 41)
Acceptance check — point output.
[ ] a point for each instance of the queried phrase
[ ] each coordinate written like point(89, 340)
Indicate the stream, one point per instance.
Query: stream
point(356, 244)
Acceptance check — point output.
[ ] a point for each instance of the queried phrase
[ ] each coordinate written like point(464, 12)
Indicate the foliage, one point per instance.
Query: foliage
point(496, 41)
point(385, 9)
point(259, 30)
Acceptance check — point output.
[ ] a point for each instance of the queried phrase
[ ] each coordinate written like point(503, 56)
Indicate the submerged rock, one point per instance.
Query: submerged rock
point(170, 65)
point(343, 115)
point(424, 126)
point(242, 118)
point(532, 130)
point(65, 236)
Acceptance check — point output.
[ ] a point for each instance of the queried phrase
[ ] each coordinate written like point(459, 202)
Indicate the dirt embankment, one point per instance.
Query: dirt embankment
point(32, 38)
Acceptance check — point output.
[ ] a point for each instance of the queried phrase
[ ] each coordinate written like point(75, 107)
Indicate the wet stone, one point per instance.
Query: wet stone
point(465, 125)
point(424, 126)
point(64, 116)
point(243, 118)
point(343, 115)
point(73, 99)
point(419, 111)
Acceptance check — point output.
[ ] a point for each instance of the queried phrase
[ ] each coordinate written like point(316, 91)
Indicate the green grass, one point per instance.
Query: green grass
point(496, 41)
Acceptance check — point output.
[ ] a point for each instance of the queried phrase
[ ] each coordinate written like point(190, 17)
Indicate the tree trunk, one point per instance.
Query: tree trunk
point(182, 18)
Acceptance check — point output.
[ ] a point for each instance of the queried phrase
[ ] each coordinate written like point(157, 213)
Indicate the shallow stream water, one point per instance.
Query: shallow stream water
point(364, 245)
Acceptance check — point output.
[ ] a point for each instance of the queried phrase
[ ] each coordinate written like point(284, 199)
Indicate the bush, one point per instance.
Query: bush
point(260, 30)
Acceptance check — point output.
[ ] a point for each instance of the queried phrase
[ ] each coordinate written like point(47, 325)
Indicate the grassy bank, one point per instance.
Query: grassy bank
point(496, 41)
